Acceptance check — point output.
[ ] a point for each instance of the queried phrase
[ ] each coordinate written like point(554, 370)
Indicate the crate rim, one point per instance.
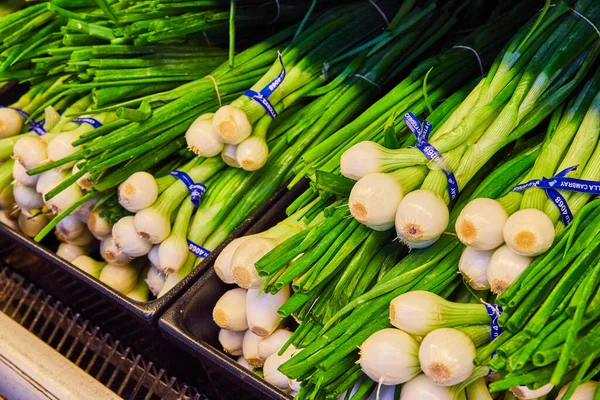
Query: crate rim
point(172, 329)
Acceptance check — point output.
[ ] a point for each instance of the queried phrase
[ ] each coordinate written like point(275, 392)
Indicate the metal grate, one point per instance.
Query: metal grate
point(100, 355)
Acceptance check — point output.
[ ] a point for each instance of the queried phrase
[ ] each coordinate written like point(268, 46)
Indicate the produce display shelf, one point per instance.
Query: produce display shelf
point(99, 354)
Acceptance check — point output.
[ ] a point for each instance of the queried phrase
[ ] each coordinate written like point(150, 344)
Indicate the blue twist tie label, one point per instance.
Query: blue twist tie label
point(422, 131)
point(37, 127)
point(197, 250)
point(262, 97)
point(494, 311)
point(196, 190)
point(561, 182)
point(90, 121)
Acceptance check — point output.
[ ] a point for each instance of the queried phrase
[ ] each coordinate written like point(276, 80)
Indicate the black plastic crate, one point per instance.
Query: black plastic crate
point(188, 322)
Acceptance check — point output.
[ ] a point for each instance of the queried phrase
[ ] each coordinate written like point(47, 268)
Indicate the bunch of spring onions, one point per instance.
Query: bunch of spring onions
point(54, 37)
point(502, 236)
point(535, 73)
point(325, 362)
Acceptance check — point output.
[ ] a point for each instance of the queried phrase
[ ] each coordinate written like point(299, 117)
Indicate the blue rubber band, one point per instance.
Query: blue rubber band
point(262, 97)
point(422, 131)
point(196, 190)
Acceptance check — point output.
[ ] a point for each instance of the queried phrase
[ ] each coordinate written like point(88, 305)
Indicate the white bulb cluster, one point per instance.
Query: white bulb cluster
point(499, 246)
point(228, 132)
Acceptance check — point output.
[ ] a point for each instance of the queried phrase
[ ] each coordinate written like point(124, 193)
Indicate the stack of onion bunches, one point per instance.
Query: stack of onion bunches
point(334, 320)
point(84, 177)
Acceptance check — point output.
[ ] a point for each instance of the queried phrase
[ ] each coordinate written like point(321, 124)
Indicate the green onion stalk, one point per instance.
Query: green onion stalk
point(96, 50)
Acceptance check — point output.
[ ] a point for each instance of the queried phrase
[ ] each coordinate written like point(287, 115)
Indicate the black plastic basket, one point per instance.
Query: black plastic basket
point(188, 322)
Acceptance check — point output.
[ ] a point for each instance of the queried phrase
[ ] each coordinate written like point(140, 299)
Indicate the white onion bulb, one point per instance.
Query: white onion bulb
point(529, 232)
point(504, 268)
point(231, 341)
point(274, 343)
point(419, 312)
point(421, 218)
point(11, 122)
point(99, 226)
point(202, 138)
point(64, 199)
point(262, 308)
point(153, 256)
point(230, 310)
point(480, 224)
point(61, 146)
point(247, 254)
point(374, 200)
point(128, 240)
point(121, 278)
point(152, 225)
point(473, 266)
point(84, 210)
point(111, 253)
point(229, 154)
point(138, 192)
point(244, 363)
point(223, 262)
point(585, 391)
point(20, 174)
point(155, 280)
point(250, 349)
point(172, 253)
point(30, 151)
point(26, 197)
point(89, 265)
point(446, 356)
point(231, 124)
point(423, 388)
point(252, 154)
point(390, 357)
point(361, 160)
point(69, 228)
point(523, 392)
point(85, 238)
point(84, 181)
point(69, 252)
point(271, 371)
point(48, 179)
point(30, 225)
